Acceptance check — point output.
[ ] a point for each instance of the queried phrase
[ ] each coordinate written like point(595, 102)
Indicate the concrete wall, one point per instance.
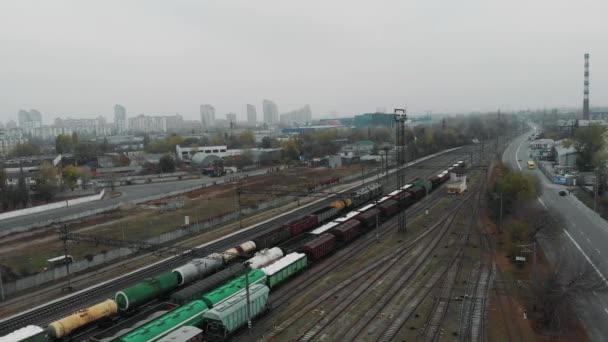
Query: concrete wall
point(41, 208)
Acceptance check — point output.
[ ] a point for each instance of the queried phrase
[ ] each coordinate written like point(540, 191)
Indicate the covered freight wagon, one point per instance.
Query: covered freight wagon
point(368, 218)
point(404, 198)
point(151, 288)
point(190, 314)
point(203, 286)
point(425, 183)
point(272, 238)
point(388, 208)
point(184, 334)
point(435, 182)
point(296, 242)
point(301, 225)
point(226, 291)
point(285, 268)
point(319, 247)
point(231, 315)
point(346, 231)
point(417, 192)
point(349, 216)
point(324, 228)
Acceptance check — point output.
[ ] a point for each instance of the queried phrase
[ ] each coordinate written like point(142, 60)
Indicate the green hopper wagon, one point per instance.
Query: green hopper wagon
point(226, 291)
point(190, 314)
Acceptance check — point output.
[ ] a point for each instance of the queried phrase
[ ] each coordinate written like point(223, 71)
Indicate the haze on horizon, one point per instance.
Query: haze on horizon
point(75, 58)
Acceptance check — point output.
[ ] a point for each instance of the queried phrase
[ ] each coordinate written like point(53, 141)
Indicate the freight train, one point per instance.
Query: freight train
point(297, 242)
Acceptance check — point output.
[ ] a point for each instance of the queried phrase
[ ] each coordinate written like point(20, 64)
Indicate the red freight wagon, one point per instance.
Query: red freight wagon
point(301, 225)
point(368, 218)
point(388, 208)
point(435, 182)
point(404, 197)
point(418, 192)
point(319, 247)
point(346, 231)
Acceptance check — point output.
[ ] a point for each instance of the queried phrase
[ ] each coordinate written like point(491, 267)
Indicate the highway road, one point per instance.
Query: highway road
point(585, 236)
point(129, 193)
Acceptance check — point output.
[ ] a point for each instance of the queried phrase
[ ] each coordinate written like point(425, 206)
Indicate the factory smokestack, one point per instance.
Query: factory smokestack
point(586, 90)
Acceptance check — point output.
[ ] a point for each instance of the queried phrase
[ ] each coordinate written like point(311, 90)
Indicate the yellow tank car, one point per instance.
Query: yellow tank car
point(65, 326)
point(338, 205)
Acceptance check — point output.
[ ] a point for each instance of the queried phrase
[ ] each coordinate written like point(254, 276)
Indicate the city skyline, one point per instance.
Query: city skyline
point(339, 57)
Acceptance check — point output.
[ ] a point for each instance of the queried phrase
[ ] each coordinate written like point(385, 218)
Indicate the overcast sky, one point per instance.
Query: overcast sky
point(79, 58)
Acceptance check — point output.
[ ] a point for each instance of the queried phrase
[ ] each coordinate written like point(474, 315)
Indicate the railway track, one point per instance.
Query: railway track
point(372, 270)
point(355, 286)
point(343, 256)
point(289, 290)
point(362, 281)
point(446, 276)
point(64, 306)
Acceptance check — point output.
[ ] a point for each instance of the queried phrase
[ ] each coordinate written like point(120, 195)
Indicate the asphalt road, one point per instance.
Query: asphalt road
point(129, 193)
point(585, 236)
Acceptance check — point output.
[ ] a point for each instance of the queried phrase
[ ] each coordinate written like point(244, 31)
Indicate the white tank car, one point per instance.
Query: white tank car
point(198, 268)
point(265, 257)
point(234, 252)
point(248, 247)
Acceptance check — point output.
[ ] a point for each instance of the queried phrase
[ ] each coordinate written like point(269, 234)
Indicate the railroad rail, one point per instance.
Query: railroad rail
point(47, 313)
point(370, 272)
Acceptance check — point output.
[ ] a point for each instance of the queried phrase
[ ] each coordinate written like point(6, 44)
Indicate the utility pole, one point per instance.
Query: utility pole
point(596, 190)
point(1, 285)
point(65, 256)
point(362, 172)
point(376, 231)
point(238, 204)
point(386, 160)
point(246, 263)
point(500, 224)
point(400, 118)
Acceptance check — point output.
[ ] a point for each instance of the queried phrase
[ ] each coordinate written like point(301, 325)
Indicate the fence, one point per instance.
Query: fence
point(100, 259)
point(46, 207)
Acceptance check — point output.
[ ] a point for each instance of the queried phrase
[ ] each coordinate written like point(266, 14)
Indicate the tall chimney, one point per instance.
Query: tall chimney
point(586, 90)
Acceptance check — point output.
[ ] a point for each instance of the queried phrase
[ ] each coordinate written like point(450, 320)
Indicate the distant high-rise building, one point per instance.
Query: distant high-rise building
point(586, 89)
point(251, 115)
point(300, 116)
point(120, 118)
point(271, 112)
point(207, 116)
point(28, 121)
point(149, 124)
point(94, 127)
point(11, 124)
point(231, 118)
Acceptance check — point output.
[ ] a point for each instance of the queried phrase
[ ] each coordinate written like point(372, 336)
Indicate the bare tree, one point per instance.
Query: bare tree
point(556, 289)
point(538, 219)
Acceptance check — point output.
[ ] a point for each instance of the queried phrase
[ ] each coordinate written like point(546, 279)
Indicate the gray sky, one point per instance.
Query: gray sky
point(79, 58)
